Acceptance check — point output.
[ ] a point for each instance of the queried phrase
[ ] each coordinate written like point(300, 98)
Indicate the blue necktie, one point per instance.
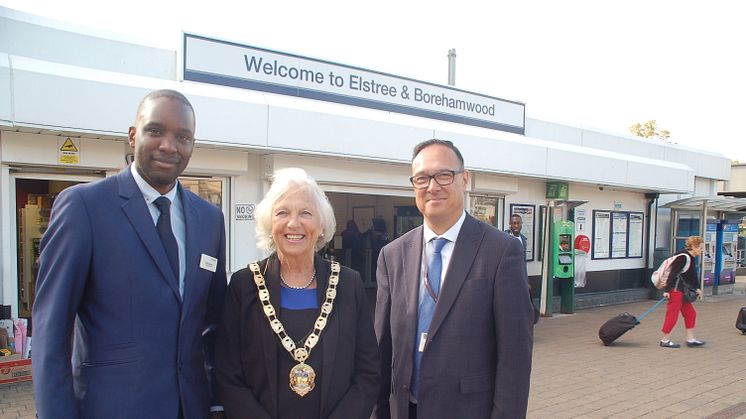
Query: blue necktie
point(427, 305)
point(167, 234)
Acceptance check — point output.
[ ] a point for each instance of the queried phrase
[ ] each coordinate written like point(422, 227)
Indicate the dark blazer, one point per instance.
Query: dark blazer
point(248, 348)
point(137, 348)
point(477, 359)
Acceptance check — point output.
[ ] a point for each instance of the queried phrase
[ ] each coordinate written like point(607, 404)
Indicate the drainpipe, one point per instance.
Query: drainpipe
point(652, 229)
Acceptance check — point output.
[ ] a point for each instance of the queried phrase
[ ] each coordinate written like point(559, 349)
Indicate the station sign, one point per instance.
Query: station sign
point(558, 190)
point(231, 64)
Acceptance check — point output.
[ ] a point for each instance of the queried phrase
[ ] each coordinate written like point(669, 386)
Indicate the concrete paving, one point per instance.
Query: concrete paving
point(575, 376)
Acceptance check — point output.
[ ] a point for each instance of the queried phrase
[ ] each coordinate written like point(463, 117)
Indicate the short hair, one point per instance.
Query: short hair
point(284, 182)
point(427, 143)
point(516, 215)
point(693, 242)
point(167, 93)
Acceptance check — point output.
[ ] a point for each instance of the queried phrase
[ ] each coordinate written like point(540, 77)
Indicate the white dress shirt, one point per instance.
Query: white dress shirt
point(178, 225)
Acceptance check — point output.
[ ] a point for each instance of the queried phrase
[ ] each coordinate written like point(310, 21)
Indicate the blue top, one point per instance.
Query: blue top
point(293, 299)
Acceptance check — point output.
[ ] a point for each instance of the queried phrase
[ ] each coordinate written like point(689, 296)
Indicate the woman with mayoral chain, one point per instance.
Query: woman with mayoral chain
point(296, 339)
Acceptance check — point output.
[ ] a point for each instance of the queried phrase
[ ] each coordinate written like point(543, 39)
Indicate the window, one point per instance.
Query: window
point(486, 208)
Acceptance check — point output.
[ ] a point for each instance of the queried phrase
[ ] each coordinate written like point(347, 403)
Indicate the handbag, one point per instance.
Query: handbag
point(690, 294)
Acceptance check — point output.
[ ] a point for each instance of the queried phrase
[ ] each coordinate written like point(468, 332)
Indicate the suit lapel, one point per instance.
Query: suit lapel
point(412, 262)
point(191, 219)
point(137, 212)
point(464, 252)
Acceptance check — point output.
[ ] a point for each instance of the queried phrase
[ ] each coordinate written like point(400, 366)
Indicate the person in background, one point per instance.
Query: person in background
point(673, 292)
point(296, 340)
point(131, 284)
point(354, 241)
point(516, 224)
point(453, 315)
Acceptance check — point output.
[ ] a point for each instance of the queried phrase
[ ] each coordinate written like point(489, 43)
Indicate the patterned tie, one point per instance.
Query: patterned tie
point(427, 305)
point(167, 234)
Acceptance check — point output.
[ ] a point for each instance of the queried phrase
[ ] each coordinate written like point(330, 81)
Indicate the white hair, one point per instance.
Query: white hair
point(284, 182)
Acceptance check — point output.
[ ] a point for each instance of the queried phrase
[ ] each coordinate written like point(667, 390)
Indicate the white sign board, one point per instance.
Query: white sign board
point(244, 212)
point(230, 64)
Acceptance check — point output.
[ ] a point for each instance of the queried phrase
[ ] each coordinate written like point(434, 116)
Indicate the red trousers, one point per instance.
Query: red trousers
point(675, 305)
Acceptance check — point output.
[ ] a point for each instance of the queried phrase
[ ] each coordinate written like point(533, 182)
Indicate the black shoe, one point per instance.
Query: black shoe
point(695, 343)
point(669, 344)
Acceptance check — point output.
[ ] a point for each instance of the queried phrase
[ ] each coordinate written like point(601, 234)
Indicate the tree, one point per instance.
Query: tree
point(649, 129)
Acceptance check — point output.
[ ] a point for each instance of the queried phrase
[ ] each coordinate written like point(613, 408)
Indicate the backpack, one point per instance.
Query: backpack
point(660, 276)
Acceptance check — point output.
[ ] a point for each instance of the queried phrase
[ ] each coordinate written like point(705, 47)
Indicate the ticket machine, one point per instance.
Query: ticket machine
point(729, 251)
point(709, 254)
point(563, 263)
point(720, 254)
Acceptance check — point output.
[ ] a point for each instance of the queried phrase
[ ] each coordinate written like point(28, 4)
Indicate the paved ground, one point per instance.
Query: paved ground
point(575, 376)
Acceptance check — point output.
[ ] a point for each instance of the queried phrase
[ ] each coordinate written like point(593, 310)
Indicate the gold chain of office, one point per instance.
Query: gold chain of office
point(302, 376)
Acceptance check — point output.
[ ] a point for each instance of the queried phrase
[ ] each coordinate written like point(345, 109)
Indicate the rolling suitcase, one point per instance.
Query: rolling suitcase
point(619, 325)
point(741, 320)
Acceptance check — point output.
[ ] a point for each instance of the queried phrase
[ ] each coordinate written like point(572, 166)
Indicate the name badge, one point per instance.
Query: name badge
point(423, 341)
point(208, 263)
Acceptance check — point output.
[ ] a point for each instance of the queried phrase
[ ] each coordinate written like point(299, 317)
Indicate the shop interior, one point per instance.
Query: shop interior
point(34, 200)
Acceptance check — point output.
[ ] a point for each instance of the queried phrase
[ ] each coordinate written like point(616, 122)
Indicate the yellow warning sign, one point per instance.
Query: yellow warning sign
point(69, 151)
point(68, 145)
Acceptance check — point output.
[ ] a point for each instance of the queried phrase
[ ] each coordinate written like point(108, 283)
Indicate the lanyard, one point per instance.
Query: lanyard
point(428, 288)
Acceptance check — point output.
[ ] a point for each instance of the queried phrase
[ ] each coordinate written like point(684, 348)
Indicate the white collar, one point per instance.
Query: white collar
point(148, 192)
point(451, 234)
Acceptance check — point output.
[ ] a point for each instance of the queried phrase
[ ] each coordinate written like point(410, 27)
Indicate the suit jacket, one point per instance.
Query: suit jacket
point(106, 284)
point(523, 241)
point(248, 349)
point(477, 359)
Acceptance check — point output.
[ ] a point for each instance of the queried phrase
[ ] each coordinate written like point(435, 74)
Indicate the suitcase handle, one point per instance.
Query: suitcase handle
point(650, 310)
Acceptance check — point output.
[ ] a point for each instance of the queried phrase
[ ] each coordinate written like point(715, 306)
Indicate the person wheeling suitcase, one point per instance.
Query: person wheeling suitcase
point(681, 290)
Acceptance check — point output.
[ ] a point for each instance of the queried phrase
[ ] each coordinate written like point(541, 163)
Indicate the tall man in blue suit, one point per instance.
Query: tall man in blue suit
point(453, 315)
point(131, 284)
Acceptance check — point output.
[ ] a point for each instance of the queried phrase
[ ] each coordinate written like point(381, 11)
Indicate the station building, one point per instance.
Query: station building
point(68, 95)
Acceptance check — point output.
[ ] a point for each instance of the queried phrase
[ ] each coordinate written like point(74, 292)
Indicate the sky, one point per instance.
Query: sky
point(598, 64)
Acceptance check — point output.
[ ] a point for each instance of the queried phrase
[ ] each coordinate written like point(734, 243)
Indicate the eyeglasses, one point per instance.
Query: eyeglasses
point(444, 178)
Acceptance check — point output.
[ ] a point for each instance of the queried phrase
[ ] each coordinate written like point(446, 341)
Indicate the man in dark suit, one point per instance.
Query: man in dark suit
point(516, 225)
point(131, 284)
point(453, 317)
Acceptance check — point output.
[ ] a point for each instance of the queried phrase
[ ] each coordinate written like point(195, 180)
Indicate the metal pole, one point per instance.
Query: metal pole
point(452, 67)
point(702, 230)
point(545, 307)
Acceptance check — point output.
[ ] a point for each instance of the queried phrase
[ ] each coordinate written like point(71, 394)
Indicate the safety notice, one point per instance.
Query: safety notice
point(68, 151)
